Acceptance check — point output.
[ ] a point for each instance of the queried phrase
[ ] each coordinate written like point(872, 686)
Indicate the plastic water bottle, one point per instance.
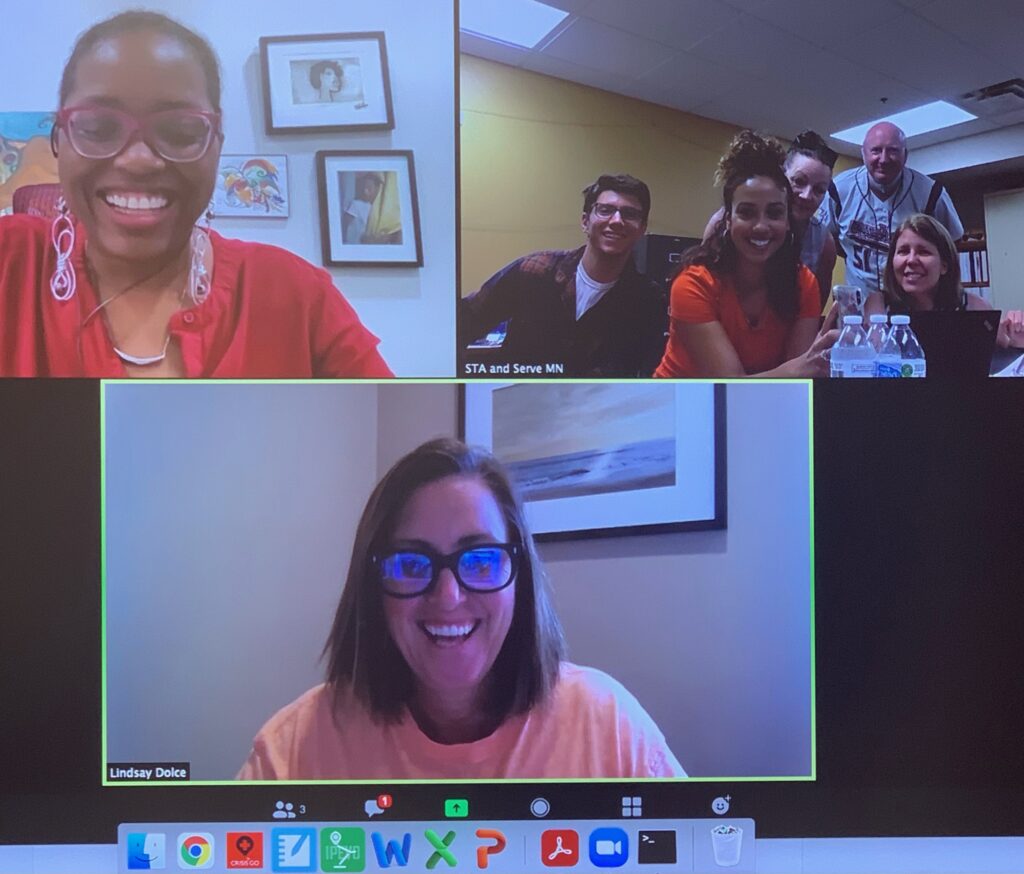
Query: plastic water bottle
point(877, 333)
point(912, 361)
point(889, 362)
point(852, 355)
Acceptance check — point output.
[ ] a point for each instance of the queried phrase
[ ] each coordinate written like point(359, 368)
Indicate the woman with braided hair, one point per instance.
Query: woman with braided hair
point(743, 304)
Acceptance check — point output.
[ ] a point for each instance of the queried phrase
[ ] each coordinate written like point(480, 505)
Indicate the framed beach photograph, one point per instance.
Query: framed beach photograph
point(602, 459)
point(252, 186)
point(326, 82)
point(368, 209)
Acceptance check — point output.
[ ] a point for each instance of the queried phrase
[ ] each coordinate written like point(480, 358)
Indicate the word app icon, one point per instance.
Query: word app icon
point(342, 849)
point(559, 848)
point(294, 849)
point(392, 851)
point(195, 850)
point(496, 844)
point(245, 849)
point(609, 847)
point(147, 851)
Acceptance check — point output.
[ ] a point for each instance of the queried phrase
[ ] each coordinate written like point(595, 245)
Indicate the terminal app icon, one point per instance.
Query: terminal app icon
point(245, 850)
point(609, 847)
point(293, 849)
point(342, 849)
point(656, 848)
point(147, 851)
point(559, 848)
point(195, 850)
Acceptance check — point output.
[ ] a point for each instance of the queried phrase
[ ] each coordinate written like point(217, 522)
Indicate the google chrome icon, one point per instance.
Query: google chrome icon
point(195, 850)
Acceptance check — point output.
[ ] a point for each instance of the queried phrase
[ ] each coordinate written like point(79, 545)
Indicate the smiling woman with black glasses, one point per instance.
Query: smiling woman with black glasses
point(446, 659)
point(112, 273)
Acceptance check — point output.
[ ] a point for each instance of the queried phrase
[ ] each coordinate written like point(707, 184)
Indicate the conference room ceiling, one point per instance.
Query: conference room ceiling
point(786, 65)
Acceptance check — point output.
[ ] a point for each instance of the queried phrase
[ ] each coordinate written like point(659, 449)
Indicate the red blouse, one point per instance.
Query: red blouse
point(269, 315)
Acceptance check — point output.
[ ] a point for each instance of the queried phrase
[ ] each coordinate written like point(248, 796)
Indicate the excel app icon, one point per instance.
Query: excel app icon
point(342, 849)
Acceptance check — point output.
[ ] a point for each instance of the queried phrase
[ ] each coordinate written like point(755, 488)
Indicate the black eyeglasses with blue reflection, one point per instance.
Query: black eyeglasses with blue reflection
point(480, 568)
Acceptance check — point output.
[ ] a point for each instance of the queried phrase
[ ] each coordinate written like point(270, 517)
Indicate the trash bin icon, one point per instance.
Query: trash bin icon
point(727, 843)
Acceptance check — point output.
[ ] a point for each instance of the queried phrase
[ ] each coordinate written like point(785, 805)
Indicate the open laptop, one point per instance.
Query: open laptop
point(957, 344)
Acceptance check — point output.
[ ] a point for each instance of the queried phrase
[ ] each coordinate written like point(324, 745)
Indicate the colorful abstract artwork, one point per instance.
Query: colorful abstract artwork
point(252, 186)
point(25, 156)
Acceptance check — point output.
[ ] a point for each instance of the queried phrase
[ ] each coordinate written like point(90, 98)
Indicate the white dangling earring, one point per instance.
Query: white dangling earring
point(62, 234)
point(198, 275)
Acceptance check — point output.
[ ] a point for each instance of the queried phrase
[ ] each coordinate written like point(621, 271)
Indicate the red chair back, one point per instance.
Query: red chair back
point(39, 199)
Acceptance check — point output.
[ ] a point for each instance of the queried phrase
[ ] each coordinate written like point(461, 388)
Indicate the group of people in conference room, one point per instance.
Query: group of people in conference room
point(748, 300)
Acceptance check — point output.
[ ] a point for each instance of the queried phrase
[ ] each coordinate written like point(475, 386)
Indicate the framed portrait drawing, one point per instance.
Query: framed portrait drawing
point(605, 459)
point(251, 186)
point(326, 82)
point(368, 210)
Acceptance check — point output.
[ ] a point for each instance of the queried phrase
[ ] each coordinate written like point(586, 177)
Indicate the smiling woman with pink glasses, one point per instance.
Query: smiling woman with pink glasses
point(122, 281)
point(446, 658)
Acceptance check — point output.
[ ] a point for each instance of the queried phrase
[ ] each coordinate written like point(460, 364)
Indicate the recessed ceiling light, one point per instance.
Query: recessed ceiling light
point(919, 120)
point(518, 22)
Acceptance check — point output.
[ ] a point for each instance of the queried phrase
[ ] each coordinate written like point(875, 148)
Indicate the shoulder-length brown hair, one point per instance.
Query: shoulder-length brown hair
point(949, 294)
point(362, 657)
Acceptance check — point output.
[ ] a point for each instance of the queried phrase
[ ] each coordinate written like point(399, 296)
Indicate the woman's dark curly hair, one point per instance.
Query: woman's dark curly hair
point(750, 155)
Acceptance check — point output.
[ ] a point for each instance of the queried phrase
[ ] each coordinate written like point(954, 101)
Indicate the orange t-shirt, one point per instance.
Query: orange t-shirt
point(591, 727)
point(700, 296)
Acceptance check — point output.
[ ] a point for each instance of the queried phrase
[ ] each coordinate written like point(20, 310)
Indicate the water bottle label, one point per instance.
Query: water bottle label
point(852, 369)
point(913, 368)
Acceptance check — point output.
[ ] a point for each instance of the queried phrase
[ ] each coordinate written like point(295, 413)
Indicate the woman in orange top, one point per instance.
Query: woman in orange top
point(743, 304)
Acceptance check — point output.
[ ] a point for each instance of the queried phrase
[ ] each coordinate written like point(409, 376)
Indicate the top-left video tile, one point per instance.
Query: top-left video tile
point(265, 194)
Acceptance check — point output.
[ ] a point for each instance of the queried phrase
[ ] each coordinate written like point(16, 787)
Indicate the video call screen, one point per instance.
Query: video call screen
point(176, 553)
point(398, 525)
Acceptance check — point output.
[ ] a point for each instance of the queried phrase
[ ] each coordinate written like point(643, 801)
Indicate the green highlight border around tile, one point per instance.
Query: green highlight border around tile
point(104, 384)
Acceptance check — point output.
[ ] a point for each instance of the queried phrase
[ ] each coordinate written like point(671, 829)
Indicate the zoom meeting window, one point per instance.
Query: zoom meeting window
point(321, 583)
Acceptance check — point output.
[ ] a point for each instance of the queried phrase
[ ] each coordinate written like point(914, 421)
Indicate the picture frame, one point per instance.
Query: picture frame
point(25, 155)
point(326, 83)
point(369, 214)
point(606, 459)
point(252, 186)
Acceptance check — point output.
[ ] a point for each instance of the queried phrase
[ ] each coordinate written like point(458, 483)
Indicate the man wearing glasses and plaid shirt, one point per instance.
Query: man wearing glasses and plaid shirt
point(581, 313)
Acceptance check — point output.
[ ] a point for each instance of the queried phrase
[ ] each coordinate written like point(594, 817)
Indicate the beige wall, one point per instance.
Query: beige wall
point(530, 143)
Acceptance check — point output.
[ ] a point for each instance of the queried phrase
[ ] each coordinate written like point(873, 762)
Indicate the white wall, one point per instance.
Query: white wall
point(1004, 227)
point(230, 517)
point(983, 148)
point(412, 310)
point(230, 512)
point(711, 629)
